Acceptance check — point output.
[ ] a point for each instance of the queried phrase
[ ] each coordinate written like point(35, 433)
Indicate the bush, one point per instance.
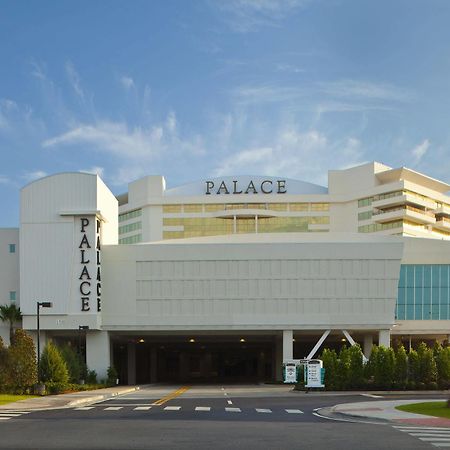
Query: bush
point(91, 377)
point(55, 387)
point(330, 363)
point(4, 364)
point(112, 376)
point(22, 373)
point(442, 357)
point(52, 365)
point(427, 364)
point(356, 368)
point(73, 363)
point(401, 368)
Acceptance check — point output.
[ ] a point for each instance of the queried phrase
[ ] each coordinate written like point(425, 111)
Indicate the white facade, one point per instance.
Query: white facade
point(228, 277)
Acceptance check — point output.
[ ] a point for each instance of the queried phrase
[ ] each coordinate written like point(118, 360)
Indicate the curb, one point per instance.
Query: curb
point(331, 414)
point(96, 398)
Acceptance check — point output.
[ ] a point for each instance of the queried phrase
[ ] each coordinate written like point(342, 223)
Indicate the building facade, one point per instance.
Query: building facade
point(226, 278)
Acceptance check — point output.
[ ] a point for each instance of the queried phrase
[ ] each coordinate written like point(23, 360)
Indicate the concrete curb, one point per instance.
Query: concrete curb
point(97, 398)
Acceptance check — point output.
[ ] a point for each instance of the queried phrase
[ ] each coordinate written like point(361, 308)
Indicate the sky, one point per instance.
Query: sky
point(192, 89)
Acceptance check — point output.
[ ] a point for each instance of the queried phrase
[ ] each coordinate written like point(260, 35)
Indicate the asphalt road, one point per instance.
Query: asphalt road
point(217, 417)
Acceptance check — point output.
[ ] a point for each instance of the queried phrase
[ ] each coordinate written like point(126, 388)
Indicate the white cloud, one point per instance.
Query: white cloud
point(127, 82)
point(296, 154)
point(419, 151)
point(74, 79)
point(265, 94)
point(34, 175)
point(4, 180)
point(95, 170)
point(171, 122)
point(249, 15)
point(357, 89)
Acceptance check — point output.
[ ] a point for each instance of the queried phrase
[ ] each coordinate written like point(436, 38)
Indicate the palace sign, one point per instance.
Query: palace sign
point(263, 187)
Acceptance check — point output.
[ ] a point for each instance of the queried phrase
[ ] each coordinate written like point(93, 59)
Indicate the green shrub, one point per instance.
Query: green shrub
point(401, 368)
point(91, 377)
point(112, 376)
point(330, 364)
point(356, 368)
point(22, 373)
point(442, 357)
point(73, 363)
point(52, 365)
point(56, 387)
point(343, 369)
point(427, 364)
point(4, 365)
point(413, 368)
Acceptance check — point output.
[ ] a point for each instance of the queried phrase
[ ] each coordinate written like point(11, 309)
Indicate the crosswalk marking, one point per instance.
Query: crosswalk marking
point(84, 408)
point(233, 410)
point(294, 411)
point(142, 408)
point(436, 436)
point(172, 408)
point(9, 415)
point(5, 418)
point(203, 408)
point(263, 410)
point(113, 408)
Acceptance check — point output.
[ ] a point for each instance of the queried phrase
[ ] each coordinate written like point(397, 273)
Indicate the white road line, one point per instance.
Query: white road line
point(427, 439)
point(172, 408)
point(262, 410)
point(5, 418)
point(371, 395)
point(203, 408)
point(84, 408)
point(113, 408)
point(233, 410)
point(16, 412)
point(9, 415)
point(430, 435)
point(142, 408)
point(441, 444)
point(293, 411)
point(405, 428)
point(229, 402)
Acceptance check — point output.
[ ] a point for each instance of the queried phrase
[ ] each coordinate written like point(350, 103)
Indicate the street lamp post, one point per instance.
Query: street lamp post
point(38, 306)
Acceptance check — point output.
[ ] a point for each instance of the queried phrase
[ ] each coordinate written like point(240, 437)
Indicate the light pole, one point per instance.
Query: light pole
point(81, 328)
point(38, 306)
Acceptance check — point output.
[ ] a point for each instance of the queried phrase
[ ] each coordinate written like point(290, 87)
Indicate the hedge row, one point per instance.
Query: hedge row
point(424, 368)
point(61, 369)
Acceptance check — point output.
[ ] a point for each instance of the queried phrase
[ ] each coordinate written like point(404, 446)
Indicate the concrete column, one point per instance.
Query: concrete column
point(288, 345)
point(98, 352)
point(368, 343)
point(384, 338)
point(153, 365)
point(278, 359)
point(131, 357)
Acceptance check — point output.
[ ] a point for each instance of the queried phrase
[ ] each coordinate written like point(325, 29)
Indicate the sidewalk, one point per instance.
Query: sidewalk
point(383, 411)
point(68, 400)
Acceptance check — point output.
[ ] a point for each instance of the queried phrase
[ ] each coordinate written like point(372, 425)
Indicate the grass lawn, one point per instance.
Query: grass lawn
point(7, 398)
point(436, 409)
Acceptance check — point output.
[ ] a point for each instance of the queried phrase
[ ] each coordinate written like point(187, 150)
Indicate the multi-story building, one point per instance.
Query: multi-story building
point(228, 277)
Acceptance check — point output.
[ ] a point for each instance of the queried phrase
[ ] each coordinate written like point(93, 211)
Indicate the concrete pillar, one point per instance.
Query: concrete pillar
point(131, 363)
point(368, 343)
point(153, 365)
point(278, 359)
point(98, 352)
point(384, 338)
point(288, 345)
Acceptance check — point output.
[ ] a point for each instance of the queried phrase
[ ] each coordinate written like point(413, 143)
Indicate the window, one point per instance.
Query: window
point(12, 248)
point(12, 296)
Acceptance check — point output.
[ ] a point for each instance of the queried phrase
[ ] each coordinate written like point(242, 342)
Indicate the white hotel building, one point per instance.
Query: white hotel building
point(223, 279)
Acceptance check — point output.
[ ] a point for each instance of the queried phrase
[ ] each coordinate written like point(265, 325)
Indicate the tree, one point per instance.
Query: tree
point(442, 356)
point(356, 369)
point(414, 369)
point(427, 365)
point(343, 368)
point(22, 362)
point(12, 315)
point(401, 368)
point(330, 364)
point(73, 363)
point(52, 365)
point(4, 366)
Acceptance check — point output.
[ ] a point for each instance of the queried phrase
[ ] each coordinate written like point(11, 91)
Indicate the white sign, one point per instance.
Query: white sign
point(314, 370)
point(290, 372)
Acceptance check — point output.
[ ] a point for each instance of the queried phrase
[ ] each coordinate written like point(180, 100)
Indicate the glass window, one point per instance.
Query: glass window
point(214, 207)
point(320, 206)
point(130, 227)
point(193, 208)
point(277, 206)
point(130, 215)
point(299, 206)
point(12, 248)
point(171, 208)
point(131, 239)
point(12, 296)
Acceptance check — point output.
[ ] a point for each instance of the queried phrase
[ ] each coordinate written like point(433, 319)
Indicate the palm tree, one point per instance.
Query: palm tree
point(10, 314)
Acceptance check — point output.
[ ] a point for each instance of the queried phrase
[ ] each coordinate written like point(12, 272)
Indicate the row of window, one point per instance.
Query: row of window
point(373, 227)
point(365, 215)
point(213, 226)
point(135, 239)
point(130, 215)
point(368, 200)
point(424, 292)
point(130, 227)
point(199, 208)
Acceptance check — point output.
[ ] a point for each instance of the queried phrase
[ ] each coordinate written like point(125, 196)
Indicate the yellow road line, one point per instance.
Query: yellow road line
point(172, 395)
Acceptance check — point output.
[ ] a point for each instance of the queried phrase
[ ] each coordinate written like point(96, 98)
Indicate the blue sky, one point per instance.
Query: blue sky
point(194, 89)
